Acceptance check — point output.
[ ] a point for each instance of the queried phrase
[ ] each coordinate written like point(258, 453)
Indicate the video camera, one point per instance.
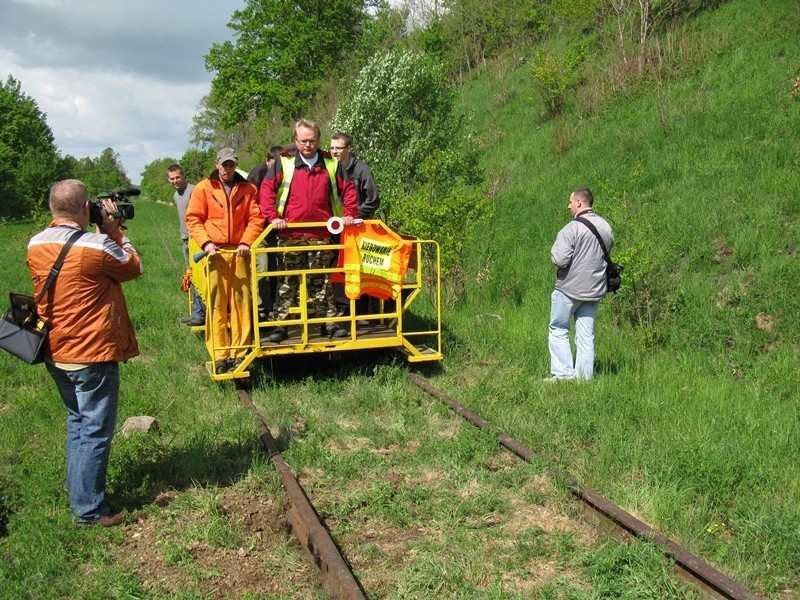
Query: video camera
point(124, 208)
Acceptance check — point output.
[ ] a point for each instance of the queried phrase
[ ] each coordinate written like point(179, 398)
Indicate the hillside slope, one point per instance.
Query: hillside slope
point(693, 417)
point(698, 173)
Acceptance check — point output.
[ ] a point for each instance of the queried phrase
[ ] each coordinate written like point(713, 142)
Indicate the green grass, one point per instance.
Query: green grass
point(206, 440)
point(692, 422)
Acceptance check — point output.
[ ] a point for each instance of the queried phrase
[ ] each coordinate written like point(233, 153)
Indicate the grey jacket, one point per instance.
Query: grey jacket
point(181, 200)
point(579, 258)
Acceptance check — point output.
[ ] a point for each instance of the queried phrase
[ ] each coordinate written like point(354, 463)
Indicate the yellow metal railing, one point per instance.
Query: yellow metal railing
point(386, 326)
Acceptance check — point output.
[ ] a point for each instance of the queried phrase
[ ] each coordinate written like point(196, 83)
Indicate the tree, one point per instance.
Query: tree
point(283, 52)
point(30, 159)
point(640, 18)
point(400, 114)
point(211, 128)
point(555, 73)
point(399, 110)
point(197, 163)
point(466, 33)
point(154, 180)
point(101, 174)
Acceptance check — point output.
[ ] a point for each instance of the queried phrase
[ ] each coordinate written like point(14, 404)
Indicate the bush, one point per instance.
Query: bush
point(401, 118)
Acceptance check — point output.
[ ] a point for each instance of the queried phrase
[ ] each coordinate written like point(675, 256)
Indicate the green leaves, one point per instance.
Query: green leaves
point(400, 114)
point(554, 74)
point(30, 157)
point(101, 174)
point(282, 54)
point(399, 110)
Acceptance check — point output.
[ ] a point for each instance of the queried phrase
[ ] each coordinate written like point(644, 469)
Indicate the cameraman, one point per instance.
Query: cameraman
point(90, 333)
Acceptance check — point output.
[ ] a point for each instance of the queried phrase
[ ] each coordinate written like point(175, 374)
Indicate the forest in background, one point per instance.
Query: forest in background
point(389, 73)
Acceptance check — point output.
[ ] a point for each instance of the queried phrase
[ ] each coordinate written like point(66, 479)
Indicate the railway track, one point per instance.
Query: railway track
point(335, 574)
point(708, 579)
point(339, 582)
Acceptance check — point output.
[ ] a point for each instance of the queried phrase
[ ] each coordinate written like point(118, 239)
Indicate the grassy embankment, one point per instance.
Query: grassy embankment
point(691, 423)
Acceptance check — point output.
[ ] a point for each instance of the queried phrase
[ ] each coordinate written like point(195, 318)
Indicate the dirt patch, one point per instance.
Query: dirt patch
point(155, 550)
point(723, 250)
point(765, 322)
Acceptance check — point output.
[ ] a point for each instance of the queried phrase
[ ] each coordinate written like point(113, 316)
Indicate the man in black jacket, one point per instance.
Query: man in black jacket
point(357, 171)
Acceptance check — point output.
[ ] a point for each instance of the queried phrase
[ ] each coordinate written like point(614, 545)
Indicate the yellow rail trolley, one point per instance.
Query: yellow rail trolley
point(411, 322)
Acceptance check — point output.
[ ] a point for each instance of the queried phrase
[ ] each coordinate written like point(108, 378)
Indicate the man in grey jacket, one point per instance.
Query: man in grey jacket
point(580, 285)
point(183, 191)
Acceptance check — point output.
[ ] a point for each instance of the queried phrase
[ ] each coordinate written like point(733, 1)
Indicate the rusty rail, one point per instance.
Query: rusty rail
point(707, 578)
point(336, 577)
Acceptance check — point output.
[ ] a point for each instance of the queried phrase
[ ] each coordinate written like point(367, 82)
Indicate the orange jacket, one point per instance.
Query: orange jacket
point(375, 260)
point(227, 222)
point(85, 308)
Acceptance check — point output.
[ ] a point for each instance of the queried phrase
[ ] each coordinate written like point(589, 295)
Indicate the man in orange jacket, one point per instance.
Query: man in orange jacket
point(223, 214)
point(90, 333)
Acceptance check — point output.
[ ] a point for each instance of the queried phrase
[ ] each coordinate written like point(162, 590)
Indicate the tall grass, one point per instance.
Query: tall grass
point(692, 421)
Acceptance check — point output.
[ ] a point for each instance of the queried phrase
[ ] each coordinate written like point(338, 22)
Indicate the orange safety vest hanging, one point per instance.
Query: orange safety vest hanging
point(375, 260)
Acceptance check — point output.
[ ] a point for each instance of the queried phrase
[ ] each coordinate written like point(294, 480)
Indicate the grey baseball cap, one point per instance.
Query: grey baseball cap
point(227, 154)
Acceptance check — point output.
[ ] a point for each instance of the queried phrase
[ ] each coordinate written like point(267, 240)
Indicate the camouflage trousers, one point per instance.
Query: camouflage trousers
point(317, 285)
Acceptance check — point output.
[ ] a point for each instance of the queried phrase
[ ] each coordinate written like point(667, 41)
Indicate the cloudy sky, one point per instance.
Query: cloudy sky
point(124, 74)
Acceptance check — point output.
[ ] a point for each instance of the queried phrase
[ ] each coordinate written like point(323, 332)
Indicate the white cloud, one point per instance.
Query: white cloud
point(114, 73)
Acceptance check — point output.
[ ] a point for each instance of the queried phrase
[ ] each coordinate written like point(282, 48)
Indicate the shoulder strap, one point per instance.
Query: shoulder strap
point(593, 229)
point(57, 265)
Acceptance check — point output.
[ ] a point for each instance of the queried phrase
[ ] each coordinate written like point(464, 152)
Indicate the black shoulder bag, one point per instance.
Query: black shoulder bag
point(21, 332)
point(613, 270)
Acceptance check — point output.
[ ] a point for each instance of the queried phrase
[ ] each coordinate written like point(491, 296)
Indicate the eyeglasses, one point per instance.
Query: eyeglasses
point(306, 142)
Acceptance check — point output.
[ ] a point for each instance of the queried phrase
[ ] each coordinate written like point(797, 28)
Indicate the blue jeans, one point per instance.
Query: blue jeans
point(91, 396)
point(562, 309)
point(198, 308)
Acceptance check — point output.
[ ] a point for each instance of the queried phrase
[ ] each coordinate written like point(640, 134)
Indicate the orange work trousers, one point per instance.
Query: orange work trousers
point(228, 306)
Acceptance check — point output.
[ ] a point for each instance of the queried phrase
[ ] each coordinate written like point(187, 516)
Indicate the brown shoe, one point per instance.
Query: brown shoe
point(109, 520)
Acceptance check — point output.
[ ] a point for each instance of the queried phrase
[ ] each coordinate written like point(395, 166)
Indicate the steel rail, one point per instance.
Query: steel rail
point(335, 574)
point(707, 578)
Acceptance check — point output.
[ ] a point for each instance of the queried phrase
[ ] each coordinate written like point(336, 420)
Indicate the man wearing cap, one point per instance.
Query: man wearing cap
point(224, 220)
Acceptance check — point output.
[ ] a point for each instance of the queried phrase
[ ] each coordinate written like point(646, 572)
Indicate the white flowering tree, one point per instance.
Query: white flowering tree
point(400, 115)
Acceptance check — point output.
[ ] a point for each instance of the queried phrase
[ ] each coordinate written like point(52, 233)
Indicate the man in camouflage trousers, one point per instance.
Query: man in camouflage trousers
point(306, 185)
point(317, 285)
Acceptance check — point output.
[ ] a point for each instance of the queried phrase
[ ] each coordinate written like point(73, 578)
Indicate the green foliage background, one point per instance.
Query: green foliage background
point(30, 158)
point(401, 111)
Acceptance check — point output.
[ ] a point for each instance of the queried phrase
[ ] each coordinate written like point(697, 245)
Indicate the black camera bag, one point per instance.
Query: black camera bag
point(22, 333)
